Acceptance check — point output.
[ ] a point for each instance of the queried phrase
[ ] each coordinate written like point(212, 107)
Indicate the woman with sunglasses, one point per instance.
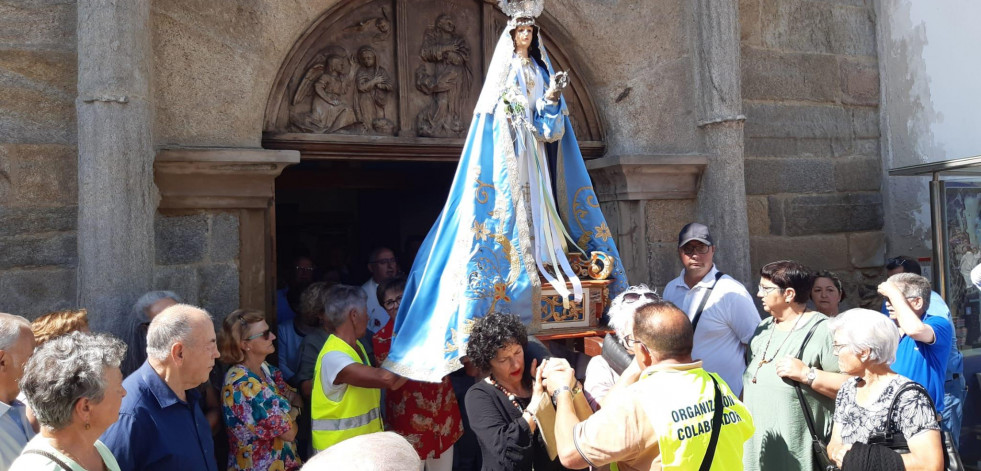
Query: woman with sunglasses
point(260, 409)
point(601, 373)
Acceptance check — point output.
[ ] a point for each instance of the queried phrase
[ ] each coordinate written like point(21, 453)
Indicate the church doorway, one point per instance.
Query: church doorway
point(335, 212)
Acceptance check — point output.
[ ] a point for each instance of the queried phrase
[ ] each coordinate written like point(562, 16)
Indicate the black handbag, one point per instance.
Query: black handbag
point(893, 439)
point(614, 353)
point(818, 445)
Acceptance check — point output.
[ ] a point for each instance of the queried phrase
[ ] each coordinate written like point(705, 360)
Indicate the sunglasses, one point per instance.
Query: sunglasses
point(698, 249)
point(264, 334)
point(633, 297)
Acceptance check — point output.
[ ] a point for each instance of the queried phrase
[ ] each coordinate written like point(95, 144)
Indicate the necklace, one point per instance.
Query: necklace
point(511, 396)
point(766, 347)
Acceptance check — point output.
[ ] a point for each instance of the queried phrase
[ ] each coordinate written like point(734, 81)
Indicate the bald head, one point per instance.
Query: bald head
point(665, 330)
point(174, 324)
point(11, 328)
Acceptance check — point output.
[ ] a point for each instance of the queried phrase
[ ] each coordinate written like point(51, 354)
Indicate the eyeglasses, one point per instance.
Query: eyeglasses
point(836, 348)
point(629, 341)
point(633, 297)
point(695, 249)
point(767, 289)
point(264, 334)
point(299, 268)
point(384, 261)
point(390, 303)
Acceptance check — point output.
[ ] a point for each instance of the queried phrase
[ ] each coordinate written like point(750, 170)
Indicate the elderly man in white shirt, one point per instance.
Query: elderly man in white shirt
point(16, 347)
point(721, 310)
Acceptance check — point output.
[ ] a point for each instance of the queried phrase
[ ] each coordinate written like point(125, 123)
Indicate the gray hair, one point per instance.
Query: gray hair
point(11, 327)
point(389, 452)
point(166, 330)
point(859, 329)
point(151, 298)
point(340, 300)
point(913, 286)
point(620, 314)
point(67, 369)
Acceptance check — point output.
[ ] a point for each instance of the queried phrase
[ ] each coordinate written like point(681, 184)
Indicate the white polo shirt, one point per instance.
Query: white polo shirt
point(726, 326)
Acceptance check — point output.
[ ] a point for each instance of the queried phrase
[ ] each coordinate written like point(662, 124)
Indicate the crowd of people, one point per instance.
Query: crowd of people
point(692, 379)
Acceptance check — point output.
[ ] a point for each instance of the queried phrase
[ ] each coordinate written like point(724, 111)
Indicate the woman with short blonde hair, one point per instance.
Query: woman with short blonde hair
point(55, 324)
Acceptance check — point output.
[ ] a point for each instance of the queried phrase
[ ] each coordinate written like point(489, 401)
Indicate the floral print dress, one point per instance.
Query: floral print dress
point(426, 414)
point(257, 412)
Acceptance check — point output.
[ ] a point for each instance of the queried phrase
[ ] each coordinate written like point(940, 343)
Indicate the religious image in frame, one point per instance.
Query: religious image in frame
point(962, 239)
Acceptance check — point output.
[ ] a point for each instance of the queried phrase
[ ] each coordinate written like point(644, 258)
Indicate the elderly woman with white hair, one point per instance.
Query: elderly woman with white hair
point(602, 373)
point(867, 406)
point(75, 386)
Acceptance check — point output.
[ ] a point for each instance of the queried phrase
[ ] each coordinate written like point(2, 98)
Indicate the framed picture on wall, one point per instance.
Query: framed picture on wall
point(962, 245)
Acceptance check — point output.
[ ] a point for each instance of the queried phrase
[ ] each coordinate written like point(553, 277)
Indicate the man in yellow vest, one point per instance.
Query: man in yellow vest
point(661, 414)
point(346, 399)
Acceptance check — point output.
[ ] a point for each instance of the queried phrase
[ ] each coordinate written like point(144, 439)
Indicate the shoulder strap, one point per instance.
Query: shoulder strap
point(51, 457)
point(800, 394)
point(912, 385)
point(701, 305)
point(716, 426)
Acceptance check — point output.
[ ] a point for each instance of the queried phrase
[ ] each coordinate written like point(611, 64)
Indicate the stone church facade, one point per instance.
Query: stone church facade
point(140, 141)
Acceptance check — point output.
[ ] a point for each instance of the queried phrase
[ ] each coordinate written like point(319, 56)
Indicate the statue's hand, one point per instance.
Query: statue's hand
point(557, 83)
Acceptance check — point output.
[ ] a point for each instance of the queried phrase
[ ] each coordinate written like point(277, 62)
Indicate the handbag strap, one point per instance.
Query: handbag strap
point(716, 427)
point(800, 394)
point(51, 457)
point(701, 305)
point(910, 386)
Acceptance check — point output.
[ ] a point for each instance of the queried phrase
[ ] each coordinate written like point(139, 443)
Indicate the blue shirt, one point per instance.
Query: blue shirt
point(158, 431)
point(15, 432)
point(289, 349)
point(926, 364)
point(955, 361)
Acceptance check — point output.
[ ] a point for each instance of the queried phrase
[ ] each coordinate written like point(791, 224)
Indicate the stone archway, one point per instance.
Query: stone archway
point(417, 94)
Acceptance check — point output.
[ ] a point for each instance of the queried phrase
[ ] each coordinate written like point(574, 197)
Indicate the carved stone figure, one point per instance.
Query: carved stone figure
point(322, 101)
point(444, 76)
point(373, 85)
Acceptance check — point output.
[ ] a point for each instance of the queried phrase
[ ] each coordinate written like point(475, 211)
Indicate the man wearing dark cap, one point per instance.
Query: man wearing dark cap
point(719, 307)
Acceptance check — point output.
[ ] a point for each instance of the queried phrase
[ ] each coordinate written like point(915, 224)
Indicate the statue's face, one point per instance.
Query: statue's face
point(522, 37)
point(368, 58)
point(335, 64)
point(446, 24)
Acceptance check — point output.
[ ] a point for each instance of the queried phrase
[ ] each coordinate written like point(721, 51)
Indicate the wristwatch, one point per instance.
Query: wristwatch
point(811, 375)
point(555, 394)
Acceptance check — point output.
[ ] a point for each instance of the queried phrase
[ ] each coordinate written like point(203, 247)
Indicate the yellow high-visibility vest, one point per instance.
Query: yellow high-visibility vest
point(682, 417)
point(358, 411)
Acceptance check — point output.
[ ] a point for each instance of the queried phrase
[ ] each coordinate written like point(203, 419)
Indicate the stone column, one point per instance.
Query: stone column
point(116, 196)
point(722, 196)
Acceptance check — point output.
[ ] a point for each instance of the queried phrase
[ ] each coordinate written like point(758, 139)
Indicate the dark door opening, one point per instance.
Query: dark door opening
point(336, 211)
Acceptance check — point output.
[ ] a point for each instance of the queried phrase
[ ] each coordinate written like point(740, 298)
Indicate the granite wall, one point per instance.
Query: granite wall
point(810, 86)
point(38, 189)
point(197, 258)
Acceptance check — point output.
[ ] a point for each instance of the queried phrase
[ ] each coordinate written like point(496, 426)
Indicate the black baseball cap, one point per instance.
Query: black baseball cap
point(694, 231)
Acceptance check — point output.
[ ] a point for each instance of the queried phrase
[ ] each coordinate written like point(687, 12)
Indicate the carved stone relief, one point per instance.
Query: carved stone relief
point(402, 68)
point(322, 103)
point(445, 77)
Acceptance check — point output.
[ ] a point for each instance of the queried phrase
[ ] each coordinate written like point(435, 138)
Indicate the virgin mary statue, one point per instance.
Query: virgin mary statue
point(520, 201)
